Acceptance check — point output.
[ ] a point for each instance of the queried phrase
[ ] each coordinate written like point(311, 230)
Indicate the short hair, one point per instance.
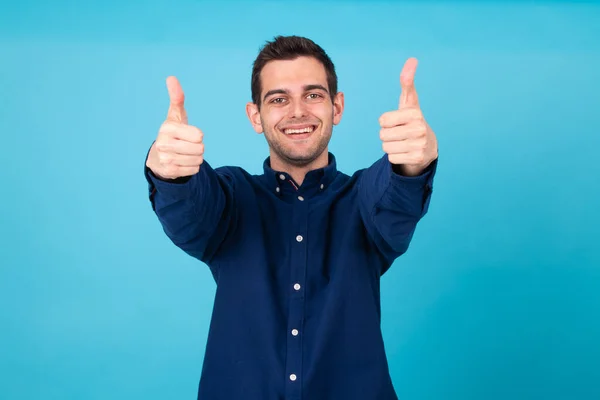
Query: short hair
point(290, 48)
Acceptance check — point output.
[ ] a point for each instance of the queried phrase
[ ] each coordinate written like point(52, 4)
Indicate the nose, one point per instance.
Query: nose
point(297, 109)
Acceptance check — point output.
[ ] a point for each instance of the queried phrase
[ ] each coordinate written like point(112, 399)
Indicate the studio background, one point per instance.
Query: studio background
point(498, 295)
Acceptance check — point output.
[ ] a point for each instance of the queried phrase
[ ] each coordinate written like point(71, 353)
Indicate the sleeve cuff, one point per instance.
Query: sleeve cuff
point(424, 180)
point(180, 185)
point(179, 188)
point(413, 192)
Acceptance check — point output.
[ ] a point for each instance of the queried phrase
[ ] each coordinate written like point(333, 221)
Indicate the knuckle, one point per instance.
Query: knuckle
point(165, 158)
point(385, 120)
point(382, 134)
point(196, 134)
point(164, 142)
point(161, 144)
point(170, 170)
point(419, 131)
point(166, 128)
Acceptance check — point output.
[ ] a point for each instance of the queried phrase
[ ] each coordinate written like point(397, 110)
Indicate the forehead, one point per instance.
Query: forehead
point(292, 74)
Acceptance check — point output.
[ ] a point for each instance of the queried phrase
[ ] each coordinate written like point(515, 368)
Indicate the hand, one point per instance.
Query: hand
point(178, 150)
point(408, 140)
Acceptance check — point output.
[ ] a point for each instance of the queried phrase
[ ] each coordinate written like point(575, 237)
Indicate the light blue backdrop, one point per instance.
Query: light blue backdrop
point(499, 295)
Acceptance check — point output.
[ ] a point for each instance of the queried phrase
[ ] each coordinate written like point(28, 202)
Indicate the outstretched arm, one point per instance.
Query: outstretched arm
point(396, 190)
point(192, 201)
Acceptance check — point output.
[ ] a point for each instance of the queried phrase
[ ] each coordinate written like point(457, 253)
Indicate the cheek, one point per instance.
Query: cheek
point(273, 117)
point(323, 113)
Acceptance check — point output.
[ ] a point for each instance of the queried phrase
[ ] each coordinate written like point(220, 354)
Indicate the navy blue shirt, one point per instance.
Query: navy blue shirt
point(297, 267)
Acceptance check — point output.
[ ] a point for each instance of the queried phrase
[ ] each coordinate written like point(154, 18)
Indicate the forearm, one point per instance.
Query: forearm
point(193, 211)
point(392, 204)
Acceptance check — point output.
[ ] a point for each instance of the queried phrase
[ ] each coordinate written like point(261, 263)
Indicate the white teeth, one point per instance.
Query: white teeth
point(292, 131)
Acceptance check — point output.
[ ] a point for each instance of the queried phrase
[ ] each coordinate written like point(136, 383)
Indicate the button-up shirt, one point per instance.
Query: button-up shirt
point(297, 269)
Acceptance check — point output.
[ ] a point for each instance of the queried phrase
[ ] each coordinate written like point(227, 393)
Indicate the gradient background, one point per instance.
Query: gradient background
point(499, 294)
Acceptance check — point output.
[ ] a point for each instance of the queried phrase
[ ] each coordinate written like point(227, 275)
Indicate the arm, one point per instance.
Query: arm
point(395, 191)
point(193, 202)
point(196, 212)
point(391, 205)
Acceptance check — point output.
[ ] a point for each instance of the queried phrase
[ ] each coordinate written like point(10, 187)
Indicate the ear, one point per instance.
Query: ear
point(338, 108)
point(254, 117)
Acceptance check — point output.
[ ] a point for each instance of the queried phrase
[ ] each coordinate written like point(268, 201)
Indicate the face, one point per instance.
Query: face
point(297, 113)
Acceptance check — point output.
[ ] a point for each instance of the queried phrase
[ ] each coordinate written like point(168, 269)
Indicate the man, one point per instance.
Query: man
point(298, 251)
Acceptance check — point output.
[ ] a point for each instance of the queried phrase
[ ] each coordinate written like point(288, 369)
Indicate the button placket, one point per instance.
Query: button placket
point(298, 266)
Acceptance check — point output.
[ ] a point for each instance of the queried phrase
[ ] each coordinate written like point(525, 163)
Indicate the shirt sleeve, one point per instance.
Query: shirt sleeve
point(195, 212)
point(391, 205)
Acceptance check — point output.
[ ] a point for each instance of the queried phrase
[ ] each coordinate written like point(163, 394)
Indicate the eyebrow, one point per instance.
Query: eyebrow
point(306, 88)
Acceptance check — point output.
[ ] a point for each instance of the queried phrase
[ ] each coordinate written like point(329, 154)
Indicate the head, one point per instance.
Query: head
point(295, 101)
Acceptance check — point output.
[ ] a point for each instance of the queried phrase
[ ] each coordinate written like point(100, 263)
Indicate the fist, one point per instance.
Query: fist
point(406, 137)
point(178, 150)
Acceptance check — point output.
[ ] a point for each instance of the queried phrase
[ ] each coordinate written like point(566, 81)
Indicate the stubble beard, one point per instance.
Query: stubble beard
point(291, 157)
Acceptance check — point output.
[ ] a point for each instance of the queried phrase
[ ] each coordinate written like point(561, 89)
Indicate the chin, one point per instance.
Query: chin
point(302, 158)
point(298, 151)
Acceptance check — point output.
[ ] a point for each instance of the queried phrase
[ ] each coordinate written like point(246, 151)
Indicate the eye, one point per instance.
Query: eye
point(278, 100)
point(314, 96)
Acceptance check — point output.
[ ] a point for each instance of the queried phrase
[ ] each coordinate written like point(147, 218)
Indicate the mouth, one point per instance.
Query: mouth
point(299, 132)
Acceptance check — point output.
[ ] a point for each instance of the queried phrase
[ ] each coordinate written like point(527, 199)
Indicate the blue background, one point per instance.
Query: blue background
point(499, 294)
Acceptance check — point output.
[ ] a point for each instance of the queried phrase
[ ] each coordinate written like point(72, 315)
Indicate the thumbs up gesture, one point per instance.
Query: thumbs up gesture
point(178, 150)
point(408, 140)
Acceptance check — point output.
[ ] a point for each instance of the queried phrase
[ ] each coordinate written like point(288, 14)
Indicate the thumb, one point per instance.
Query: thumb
point(176, 111)
point(408, 95)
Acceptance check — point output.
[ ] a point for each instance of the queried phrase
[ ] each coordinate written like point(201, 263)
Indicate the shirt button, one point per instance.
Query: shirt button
point(295, 332)
point(282, 177)
point(293, 377)
point(299, 238)
point(297, 286)
point(322, 186)
point(277, 189)
point(300, 198)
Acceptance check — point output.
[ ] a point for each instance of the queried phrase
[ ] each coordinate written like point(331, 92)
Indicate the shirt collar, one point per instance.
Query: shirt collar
point(319, 179)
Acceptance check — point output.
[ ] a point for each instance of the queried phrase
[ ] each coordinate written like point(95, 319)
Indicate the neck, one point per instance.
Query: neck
point(298, 172)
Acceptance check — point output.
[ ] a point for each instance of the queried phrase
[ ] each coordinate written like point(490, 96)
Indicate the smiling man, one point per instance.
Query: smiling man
point(296, 111)
point(298, 251)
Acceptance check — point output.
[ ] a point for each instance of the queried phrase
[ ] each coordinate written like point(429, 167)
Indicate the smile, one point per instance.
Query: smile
point(299, 130)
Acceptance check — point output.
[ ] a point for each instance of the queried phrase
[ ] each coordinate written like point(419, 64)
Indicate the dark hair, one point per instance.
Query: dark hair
point(290, 48)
